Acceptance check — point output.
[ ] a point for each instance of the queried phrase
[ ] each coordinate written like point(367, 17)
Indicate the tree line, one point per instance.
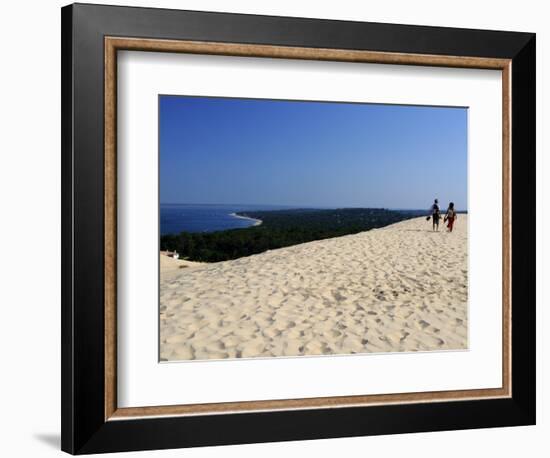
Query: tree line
point(279, 228)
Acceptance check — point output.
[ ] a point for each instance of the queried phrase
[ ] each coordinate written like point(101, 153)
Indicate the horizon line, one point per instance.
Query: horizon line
point(320, 207)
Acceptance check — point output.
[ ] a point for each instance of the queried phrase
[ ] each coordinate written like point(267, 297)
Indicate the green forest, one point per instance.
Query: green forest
point(279, 228)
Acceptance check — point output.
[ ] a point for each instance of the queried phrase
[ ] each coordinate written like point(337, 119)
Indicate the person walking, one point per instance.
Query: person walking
point(450, 216)
point(436, 215)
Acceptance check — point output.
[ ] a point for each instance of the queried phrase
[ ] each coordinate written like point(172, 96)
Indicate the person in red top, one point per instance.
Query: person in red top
point(450, 216)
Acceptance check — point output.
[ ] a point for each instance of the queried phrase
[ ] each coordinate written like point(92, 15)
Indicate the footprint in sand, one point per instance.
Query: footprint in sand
point(423, 324)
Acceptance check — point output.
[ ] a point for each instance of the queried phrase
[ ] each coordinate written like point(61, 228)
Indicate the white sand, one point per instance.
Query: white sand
point(399, 288)
point(170, 265)
point(257, 222)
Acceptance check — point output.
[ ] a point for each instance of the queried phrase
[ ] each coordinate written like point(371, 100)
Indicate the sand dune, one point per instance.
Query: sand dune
point(399, 288)
point(169, 265)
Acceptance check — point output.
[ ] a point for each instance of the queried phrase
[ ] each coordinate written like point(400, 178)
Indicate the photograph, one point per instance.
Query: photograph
point(271, 218)
point(296, 228)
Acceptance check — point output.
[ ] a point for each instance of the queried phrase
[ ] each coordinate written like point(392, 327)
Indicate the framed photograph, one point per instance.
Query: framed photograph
point(281, 228)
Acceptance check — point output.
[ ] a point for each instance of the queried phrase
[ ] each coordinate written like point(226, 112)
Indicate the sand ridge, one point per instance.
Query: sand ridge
point(398, 288)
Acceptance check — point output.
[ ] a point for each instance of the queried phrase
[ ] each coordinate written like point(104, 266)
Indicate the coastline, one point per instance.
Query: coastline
point(257, 222)
point(278, 229)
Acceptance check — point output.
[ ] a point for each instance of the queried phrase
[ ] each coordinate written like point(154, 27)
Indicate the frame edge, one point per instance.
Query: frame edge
point(67, 369)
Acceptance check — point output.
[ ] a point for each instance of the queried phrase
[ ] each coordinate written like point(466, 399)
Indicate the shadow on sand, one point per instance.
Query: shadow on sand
point(420, 230)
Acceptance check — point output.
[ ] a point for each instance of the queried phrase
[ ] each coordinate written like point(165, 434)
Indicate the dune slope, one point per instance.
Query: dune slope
point(399, 288)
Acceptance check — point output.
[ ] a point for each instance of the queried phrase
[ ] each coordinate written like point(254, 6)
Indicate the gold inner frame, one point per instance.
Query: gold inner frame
point(112, 45)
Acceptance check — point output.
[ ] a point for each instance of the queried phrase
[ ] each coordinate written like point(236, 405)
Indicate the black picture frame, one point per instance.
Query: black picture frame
point(84, 428)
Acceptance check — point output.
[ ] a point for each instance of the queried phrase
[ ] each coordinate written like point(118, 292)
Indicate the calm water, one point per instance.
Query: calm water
point(175, 218)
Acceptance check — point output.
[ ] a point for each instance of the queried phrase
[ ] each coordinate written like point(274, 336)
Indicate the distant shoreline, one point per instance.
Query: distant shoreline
point(278, 229)
point(257, 222)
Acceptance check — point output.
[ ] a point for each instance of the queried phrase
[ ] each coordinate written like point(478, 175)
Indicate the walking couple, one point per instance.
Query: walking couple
point(450, 216)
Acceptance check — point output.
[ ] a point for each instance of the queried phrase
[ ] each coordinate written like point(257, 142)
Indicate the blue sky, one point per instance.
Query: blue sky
point(315, 154)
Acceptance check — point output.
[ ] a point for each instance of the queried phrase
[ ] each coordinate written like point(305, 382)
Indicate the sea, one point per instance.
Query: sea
point(175, 218)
